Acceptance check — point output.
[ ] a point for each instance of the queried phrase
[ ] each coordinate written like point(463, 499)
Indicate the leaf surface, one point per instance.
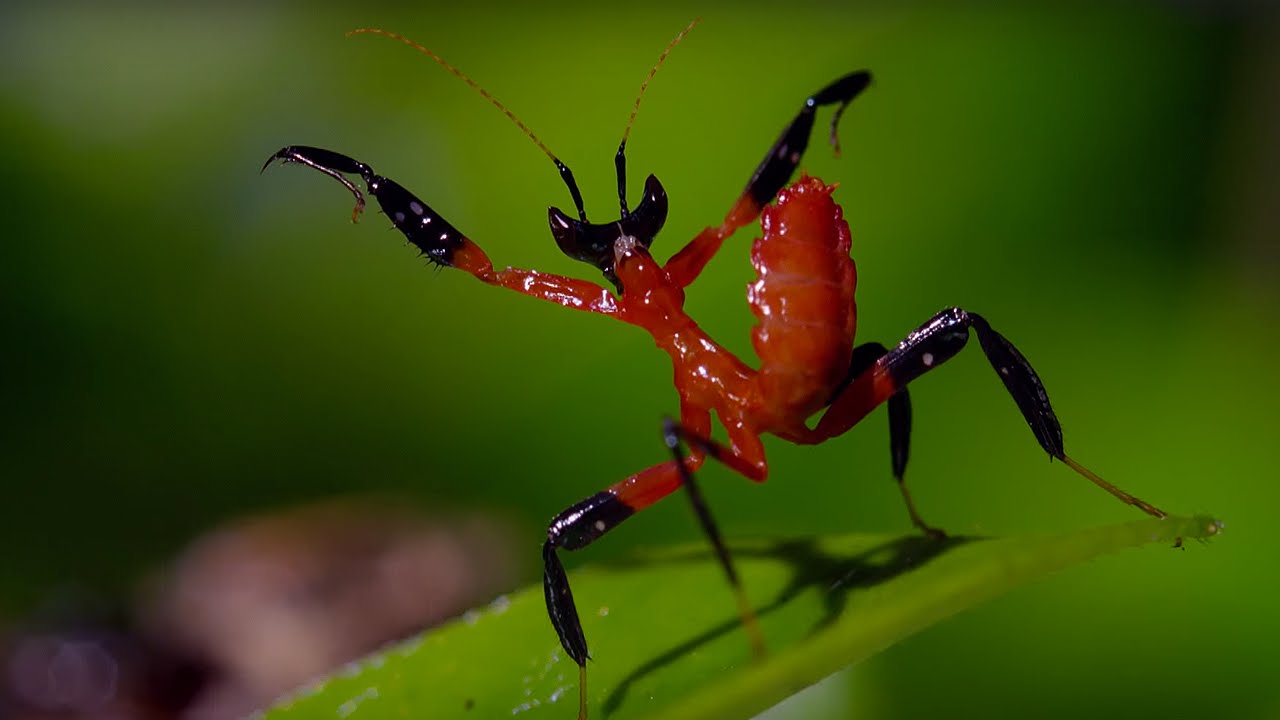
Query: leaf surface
point(666, 641)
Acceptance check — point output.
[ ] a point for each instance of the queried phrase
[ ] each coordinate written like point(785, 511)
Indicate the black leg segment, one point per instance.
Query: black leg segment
point(945, 334)
point(899, 432)
point(434, 237)
point(560, 605)
point(864, 358)
point(672, 435)
point(783, 158)
point(575, 528)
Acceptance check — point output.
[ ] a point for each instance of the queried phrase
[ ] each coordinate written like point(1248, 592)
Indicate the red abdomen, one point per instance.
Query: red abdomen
point(803, 298)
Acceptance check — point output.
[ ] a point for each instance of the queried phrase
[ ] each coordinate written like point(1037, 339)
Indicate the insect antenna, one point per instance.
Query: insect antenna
point(565, 173)
point(620, 160)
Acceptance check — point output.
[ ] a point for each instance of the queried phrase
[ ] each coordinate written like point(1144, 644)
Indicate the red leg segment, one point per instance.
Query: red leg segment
point(686, 265)
point(565, 291)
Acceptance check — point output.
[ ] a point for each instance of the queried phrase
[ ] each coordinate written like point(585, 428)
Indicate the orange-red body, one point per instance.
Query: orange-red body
point(803, 297)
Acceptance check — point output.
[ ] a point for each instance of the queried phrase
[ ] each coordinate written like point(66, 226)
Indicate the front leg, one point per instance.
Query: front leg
point(777, 167)
point(865, 358)
point(438, 240)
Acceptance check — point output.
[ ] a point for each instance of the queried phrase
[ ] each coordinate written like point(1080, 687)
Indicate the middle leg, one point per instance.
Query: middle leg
point(746, 457)
point(585, 522)
point(588, 520)
point(864, 358)
point(934, 343)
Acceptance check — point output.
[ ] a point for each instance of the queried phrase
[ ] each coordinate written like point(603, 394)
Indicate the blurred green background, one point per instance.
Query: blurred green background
point(185, 341)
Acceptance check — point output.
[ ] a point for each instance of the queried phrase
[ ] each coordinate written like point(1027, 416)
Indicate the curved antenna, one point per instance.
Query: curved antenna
point(645, 85)
point(565, 173)
point(620, 160)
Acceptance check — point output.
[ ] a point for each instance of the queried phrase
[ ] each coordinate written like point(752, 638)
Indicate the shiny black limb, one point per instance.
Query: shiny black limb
point(434, 237)
point(864, 358)
point(575, 528)
point(567, 176)
point(899, 432)
point(672, 434)
point(620, 166)
point(945, 334)
point(783, 158)
point(560, 605)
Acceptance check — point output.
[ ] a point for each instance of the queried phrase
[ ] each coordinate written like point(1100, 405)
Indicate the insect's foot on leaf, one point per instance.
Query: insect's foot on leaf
point(934, 534)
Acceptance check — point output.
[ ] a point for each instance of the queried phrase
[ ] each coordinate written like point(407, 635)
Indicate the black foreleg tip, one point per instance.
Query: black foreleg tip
point(859, 81)
point(281, 154)
point(845, 89)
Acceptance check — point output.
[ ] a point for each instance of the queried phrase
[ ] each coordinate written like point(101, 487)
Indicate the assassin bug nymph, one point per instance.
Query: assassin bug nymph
point(803, 298)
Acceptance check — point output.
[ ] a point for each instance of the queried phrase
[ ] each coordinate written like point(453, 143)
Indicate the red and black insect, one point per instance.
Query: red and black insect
point(803, 298)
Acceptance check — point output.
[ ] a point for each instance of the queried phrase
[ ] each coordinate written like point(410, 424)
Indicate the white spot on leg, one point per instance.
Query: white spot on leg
point(599, 526)
point(416, 207)
point(927, 359)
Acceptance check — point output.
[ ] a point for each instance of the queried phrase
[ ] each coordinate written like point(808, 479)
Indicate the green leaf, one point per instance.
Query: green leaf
point(666, 640)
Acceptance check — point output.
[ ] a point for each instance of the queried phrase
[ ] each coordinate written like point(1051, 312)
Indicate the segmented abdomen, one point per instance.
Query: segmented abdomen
point(803, 298)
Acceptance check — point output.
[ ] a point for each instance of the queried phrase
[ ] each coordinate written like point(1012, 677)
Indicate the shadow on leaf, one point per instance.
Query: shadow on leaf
point(835, 576)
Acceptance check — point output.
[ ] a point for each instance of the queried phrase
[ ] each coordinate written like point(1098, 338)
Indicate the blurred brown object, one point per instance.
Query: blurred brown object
point(255, 609)
point(81, 662)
